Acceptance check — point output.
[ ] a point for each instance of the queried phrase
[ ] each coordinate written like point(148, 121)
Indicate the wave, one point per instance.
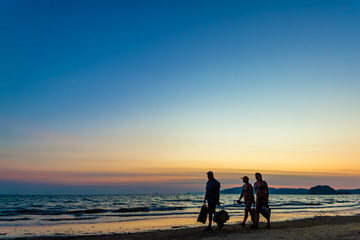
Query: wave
point(339, 201)
point(179, 200)
point(14, 219)
point(149, 214)
point(167, 208)
point(29, 211)
point(87, 211)
point(297, 204)
point(20, 212)
point(36, 206)
point(132, 209)
point(69, 219)
point(309, 207)
point(147, 209)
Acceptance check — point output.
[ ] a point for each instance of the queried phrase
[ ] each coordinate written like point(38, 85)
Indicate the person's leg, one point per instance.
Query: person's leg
point(257, 216)
point(268, 222)
point(257, 213)
point(268, 216)
point(245, 217)
point(211, 208)
point(210, 218)
point(247, 211)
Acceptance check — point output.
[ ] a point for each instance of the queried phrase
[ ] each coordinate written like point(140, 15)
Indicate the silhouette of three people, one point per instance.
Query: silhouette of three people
point(212, 197)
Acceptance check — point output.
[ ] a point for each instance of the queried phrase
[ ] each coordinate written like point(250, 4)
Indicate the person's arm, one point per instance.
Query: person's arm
point(267, 191)
point(242, 193)
point(241, 196)
point(217, 194)
point(252, 195)
point(205, 194)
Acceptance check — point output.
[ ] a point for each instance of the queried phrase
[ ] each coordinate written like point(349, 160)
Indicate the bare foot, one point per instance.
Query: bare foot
point(208, 228)
point(255, 226)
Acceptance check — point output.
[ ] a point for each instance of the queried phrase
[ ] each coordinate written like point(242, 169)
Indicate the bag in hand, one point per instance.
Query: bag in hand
point(203, 214)
point(221, 217)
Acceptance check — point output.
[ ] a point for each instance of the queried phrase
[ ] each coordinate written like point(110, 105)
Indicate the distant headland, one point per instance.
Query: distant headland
point(319, 189)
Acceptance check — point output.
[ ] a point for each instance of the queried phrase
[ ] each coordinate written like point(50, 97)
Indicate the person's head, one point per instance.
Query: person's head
point(245, 179)
point(210, 175)
point(258, 176)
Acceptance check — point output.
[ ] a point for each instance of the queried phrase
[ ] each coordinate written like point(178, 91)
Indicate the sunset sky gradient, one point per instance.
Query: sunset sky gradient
point(147, 96)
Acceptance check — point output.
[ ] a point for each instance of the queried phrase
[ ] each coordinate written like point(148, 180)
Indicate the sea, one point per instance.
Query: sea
point(30, 210)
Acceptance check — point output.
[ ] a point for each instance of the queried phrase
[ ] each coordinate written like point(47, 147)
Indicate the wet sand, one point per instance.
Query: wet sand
point(327, 227)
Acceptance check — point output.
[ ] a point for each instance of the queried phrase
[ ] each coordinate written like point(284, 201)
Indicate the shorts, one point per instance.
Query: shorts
point(247, 202)
point(211, 207)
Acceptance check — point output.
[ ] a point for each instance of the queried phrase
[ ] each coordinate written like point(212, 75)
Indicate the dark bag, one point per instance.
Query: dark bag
point(203, 214)
point(221, 217)
point(265, 211)
point(252, 213)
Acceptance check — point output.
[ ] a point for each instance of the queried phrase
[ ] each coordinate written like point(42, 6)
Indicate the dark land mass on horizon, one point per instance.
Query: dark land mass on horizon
point(319, 189)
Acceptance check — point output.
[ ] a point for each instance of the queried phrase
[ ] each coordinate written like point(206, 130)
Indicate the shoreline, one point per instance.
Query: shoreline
point(144, 225)
point(102, 215)
point(317, 227)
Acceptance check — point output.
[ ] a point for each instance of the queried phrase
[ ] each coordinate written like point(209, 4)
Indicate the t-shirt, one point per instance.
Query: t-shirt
point(212, 191)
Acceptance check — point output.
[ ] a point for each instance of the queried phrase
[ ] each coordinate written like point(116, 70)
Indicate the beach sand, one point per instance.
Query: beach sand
point(327, 227)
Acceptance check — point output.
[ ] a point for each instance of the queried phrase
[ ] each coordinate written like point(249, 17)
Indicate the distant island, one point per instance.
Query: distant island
point(324, 189)
point(319, 189)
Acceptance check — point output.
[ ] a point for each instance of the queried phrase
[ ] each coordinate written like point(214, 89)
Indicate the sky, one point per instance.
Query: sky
point(147, 96)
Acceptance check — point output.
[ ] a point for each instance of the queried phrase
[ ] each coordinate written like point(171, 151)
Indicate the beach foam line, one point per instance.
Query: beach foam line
point(31, 211)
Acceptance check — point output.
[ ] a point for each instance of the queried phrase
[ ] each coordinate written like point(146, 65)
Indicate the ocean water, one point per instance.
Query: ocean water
point(19, 210)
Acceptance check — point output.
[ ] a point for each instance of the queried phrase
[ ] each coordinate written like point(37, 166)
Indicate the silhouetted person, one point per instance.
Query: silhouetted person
point(248, 194)
point(262, 200)
point(212, 196)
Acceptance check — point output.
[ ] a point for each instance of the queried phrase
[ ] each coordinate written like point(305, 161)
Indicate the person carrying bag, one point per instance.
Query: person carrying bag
point(212, 196)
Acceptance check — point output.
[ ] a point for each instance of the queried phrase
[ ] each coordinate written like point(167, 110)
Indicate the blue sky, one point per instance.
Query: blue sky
point(179, 76)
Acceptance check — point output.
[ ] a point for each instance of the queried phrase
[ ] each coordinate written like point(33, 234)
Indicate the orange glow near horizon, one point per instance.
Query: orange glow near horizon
point(182, 176)
point(182, 158)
